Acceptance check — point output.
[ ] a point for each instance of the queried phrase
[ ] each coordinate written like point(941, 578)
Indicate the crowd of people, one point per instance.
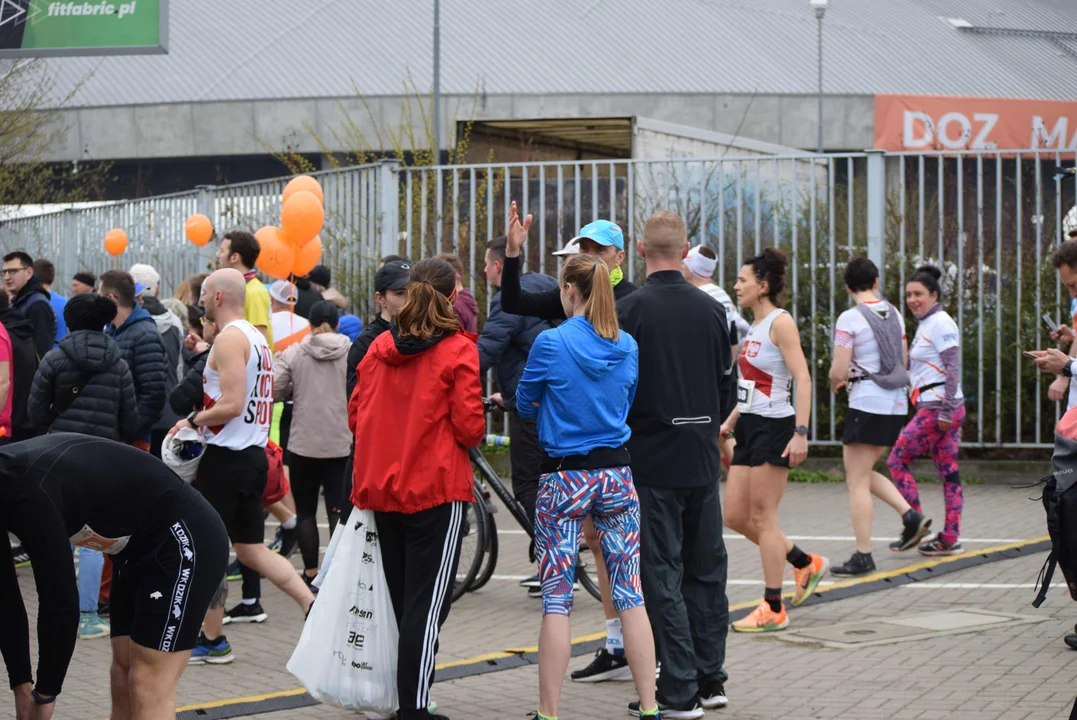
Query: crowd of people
point(623, 403)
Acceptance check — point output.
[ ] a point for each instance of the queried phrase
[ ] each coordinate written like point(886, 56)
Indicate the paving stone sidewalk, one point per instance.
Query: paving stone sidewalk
point(1006, 672)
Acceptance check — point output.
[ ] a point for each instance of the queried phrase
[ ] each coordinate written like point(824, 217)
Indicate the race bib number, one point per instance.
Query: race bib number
point(745, 390)
point(87, 538)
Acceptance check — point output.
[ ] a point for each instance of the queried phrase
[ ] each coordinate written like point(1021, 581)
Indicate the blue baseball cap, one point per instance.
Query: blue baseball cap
point(602, 232)
point(140, 288)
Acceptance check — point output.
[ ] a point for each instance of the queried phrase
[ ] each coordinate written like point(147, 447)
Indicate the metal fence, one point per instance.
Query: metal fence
point(989, 220)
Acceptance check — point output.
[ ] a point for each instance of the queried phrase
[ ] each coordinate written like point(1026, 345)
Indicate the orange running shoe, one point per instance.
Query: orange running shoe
point(808, 578)
point(763, 619)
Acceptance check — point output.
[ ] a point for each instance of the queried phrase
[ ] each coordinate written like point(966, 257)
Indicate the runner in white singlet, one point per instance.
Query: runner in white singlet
point(765, 382)
point(771, 435)
point(251, 428)
point(237, 389)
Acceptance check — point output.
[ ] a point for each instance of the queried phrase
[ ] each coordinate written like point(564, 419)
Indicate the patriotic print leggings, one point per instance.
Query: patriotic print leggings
point(565, 499)
point(920, 436)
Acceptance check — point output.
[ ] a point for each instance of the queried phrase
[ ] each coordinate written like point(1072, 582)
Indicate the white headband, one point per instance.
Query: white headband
point(699, 264)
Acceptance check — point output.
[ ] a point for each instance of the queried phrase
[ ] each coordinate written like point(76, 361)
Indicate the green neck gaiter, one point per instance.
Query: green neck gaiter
point(616, 276)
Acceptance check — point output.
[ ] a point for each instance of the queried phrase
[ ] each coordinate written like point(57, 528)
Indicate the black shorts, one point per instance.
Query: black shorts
point(864, 428)
point(234, 481)
point(159, 597)
point(762, 440)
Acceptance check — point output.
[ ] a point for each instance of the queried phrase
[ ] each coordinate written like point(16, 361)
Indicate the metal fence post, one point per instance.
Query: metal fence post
point(207, 207)
point(876, 206)
point(69, 251)
point(388, 189)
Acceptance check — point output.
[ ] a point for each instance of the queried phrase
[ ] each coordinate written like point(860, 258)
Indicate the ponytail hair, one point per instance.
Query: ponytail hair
point(427, 310)
point(591, 278)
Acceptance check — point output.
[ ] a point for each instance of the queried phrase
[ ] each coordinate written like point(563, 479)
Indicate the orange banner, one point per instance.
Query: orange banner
point(929, 122)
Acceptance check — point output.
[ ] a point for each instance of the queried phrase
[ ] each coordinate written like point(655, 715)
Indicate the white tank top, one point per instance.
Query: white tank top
point(251, 428)
point(765, 382)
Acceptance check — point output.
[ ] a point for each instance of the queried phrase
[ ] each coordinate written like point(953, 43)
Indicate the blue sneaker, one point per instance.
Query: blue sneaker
point(219, 652)
point(92, 626)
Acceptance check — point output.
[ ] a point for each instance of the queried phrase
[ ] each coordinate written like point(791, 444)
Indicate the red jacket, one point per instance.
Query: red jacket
point(416, 408)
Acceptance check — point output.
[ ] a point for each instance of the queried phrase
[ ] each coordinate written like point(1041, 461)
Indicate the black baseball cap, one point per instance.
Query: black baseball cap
point(393, 275)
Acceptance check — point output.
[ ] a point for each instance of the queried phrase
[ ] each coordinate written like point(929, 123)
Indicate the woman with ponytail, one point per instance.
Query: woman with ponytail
point(935, 368)
point(578, 384)
point(415, 411)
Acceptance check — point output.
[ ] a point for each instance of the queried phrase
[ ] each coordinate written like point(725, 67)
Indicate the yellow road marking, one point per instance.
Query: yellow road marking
point(237, 701)
point(510, 652)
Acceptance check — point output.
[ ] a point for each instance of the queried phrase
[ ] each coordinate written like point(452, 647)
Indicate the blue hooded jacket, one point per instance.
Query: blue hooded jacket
point(584, 385)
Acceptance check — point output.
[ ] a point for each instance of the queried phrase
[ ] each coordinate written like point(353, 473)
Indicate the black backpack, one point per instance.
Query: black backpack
point(1061, 508)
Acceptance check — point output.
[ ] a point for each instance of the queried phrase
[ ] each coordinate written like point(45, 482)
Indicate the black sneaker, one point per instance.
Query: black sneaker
point(913, 532)
point(859, 564)
point(605, 666)
point(102, 610)
point(234, 572)
point(712, 695)
point(20, 556)
point(308, 580)
point(690, 710)
point(939, 547)
point(1071, 640)
point(531, 582)
point(242, 613)
point(284, 542)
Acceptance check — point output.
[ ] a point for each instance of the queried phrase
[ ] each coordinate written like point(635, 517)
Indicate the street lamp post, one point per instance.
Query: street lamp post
point(820, 6)
point(437, 82)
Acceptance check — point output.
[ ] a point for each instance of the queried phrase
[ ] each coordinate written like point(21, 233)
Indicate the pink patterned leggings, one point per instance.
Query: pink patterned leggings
point(920, 436)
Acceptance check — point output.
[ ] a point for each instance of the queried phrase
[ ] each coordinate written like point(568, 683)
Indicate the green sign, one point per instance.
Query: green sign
point(44, 28)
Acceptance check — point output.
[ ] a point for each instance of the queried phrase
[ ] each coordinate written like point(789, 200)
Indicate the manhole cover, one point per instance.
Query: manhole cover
point(901, 629)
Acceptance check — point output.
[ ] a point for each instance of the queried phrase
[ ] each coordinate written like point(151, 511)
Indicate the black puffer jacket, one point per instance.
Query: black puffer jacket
point(106, 405)
point(142, 348)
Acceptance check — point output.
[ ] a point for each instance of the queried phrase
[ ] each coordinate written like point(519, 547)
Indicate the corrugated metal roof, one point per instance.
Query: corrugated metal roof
point(271, 49)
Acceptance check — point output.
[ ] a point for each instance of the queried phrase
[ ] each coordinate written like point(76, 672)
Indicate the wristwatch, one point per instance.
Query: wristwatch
point(801, 430)
point(190, 420)
point(1067, 369)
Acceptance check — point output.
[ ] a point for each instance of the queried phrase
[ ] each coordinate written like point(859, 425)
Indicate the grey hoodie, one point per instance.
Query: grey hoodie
point(312, 374)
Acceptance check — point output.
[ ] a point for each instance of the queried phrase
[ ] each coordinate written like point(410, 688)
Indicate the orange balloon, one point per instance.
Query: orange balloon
point(307, 257)
point(302, 217)
point(302, 183)
point(199, 229)
point(277, 254)
point(115, 241)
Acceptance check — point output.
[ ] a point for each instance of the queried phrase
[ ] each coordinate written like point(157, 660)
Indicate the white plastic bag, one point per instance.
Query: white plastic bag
point(183, 451)
point(346, 655)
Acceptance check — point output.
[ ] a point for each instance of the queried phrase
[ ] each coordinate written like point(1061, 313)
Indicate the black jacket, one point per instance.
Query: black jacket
point(686, 385)
point(361, 344)
point(546, 303)
point(34, 303)
point(141, 347)
point(105, 406)
point(506, 338)
point(24, 365)
point(187, 396)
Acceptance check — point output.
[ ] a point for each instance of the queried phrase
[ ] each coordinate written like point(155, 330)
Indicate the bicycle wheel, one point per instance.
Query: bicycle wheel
point(472, 545)
point(489, 562)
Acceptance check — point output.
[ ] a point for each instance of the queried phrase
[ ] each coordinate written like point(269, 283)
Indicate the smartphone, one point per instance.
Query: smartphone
point(1031, 355)
point(1050, 323)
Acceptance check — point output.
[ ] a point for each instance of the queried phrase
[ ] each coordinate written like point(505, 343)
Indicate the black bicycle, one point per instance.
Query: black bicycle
point(479, 548)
